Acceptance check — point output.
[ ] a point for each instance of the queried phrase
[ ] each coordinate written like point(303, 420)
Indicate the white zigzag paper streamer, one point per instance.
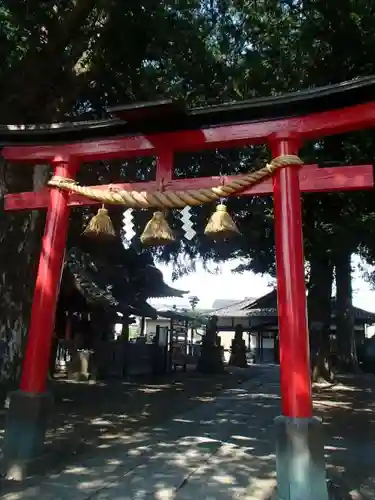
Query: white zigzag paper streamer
point(187, 225)
point(128, 226)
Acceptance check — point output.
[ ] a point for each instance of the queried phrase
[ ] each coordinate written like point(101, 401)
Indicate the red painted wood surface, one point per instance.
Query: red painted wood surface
point(42, 320)
point(287, 184)
point(291, 292)
point(312, 179)
point(312, 126)
point(164, 167)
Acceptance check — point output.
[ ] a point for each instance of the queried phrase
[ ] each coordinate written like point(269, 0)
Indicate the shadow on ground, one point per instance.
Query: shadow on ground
point(154, 448)
point(96, 417)
point(348, 413)
point(223, 450)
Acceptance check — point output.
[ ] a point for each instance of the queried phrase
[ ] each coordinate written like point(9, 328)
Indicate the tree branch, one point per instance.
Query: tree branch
point(52, 60)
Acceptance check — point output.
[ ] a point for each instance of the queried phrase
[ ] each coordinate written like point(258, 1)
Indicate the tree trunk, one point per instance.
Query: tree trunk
point(20, 236)
point(319, 315)
point(20, 232)
point(345, 333)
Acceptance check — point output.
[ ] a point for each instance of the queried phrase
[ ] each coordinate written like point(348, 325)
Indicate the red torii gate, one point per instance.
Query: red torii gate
point(312, 114)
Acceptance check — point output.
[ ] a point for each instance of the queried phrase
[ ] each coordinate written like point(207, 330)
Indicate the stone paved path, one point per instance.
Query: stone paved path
point(220, 450)
point(224, 450)
point(94, 418)
point(348, 412)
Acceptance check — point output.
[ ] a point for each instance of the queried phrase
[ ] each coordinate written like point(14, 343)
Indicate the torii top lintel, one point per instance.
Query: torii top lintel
point(140, 130)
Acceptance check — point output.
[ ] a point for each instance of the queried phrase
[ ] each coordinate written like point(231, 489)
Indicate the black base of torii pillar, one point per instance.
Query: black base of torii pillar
point(300, 465)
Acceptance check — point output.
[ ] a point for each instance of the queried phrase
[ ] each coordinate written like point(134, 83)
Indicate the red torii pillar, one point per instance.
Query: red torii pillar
point(300, 462)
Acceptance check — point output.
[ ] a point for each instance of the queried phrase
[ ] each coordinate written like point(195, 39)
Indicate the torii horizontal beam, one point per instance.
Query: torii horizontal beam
point(311, 178)
point(308, 127)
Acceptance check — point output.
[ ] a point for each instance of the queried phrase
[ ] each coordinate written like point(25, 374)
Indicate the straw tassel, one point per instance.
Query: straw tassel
point(157, 231)
point(100, 225)
point(221, 225)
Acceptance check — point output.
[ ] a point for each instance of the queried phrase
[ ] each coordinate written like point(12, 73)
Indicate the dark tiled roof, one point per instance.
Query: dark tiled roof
point(222, 303)
point(268, 301)
point(180, 315)
point(128, 270)
point(266, 307)
point(167, 291)
point(92, 283)
point(83, 272)
point(233, 308)
point(169, 116)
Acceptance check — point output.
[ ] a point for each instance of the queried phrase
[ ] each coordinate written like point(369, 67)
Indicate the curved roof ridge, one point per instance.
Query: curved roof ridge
point(168, 116)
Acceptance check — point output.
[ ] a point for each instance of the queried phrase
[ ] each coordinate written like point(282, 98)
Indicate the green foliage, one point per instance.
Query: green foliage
point(193, 301)
point(272, 47)
point(70, 59)
point(65, 60)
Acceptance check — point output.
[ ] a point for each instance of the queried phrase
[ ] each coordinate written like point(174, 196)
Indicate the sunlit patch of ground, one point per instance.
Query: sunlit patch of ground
point(348, 412)
point(104, 415)
point(119, 420)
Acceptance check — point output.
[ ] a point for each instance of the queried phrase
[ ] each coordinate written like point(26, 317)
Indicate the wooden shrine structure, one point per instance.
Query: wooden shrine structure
point(98, 293)
point(259, 319)
point(161, 130)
